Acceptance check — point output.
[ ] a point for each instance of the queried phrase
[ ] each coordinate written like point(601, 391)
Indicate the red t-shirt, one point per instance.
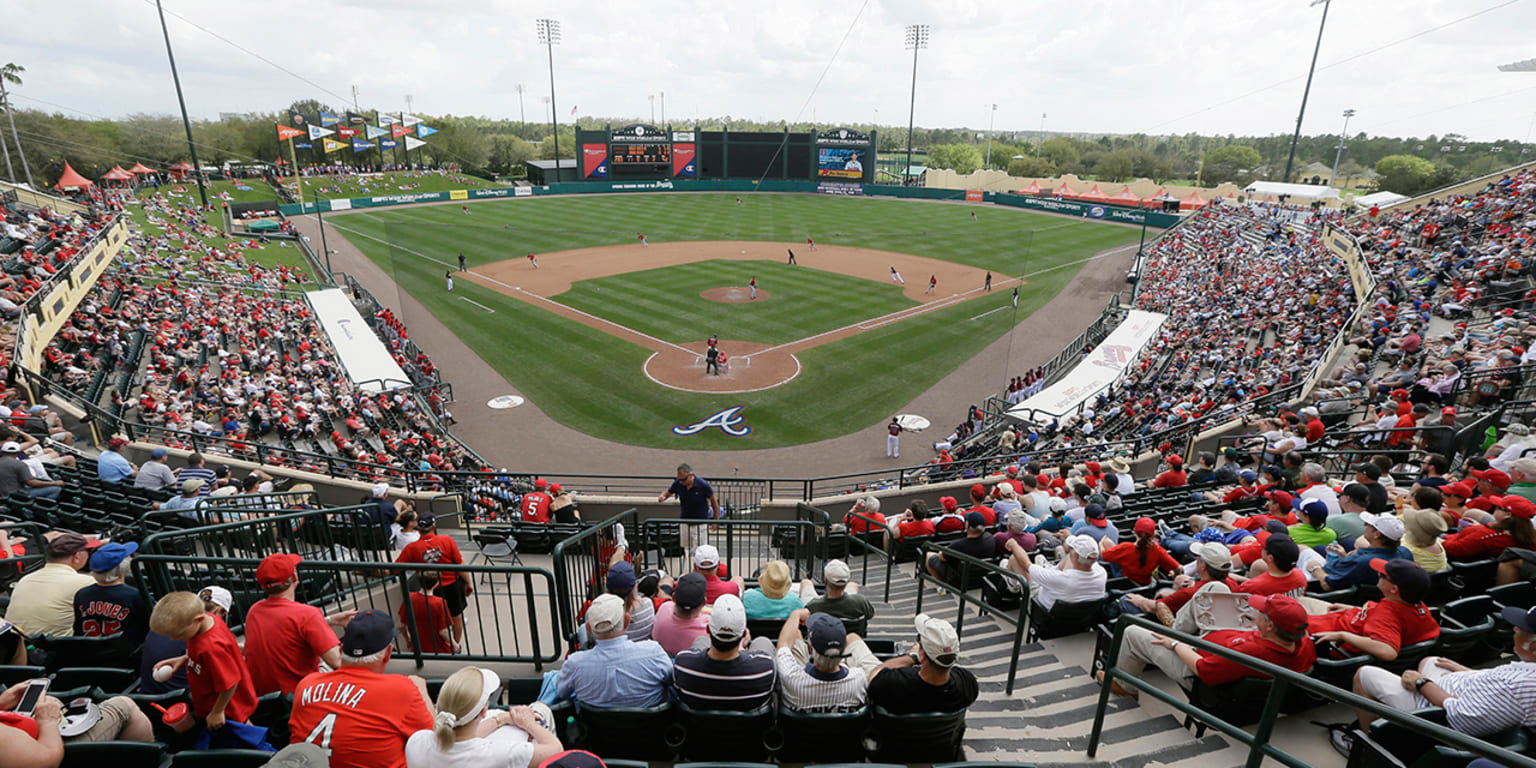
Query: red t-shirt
point(214, 666)
point(986, 513)
point(1315, 430)
point(1124, 555)
point(360, 718)
point(1173, 478)
point(431, 614)
point(1239, 493)
point(434, 548)
point(283, 643)
point(1215, 670)
point(1477, 541)
point(1293, 584)
point(714, 587)
point(1393, 623)
point(535, 507)
point(949, 524)
point(912, 528)
point(1177, 600)
point(857, 525)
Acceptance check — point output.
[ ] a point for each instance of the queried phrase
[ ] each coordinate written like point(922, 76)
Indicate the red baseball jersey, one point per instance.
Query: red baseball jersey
point(359, 717)
point(535, 507)
point(434, 548)
point(283, 643)
point(214, 665)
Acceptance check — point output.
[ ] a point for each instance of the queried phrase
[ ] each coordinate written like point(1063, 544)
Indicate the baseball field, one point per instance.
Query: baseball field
point(608, 335)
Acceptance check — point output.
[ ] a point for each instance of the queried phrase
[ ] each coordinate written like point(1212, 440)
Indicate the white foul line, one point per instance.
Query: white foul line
point(478, 304)
point(489, 279)
point(988, 312)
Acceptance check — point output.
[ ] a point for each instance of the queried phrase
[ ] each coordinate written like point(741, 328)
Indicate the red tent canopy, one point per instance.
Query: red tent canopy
point(182, 166)
point(1128, 196)
point(1064, 191)
point(140, 168)
point(72, 180)
point(1192, 202)
point(1094, 195)
point(117, 174)
point(1033, 189)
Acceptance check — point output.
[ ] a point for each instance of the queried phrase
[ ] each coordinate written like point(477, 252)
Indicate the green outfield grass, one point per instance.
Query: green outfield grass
point(665, 302)
point(846, 385)
point(390, 183)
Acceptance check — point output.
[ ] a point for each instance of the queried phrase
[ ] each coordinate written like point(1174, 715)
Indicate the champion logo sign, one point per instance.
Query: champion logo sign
point(729, 420)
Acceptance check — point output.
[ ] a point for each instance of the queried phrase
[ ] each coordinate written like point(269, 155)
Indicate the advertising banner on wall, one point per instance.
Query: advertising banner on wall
point(683, 165)
point(365, 359)
point(594, 161)
point(1099, 370)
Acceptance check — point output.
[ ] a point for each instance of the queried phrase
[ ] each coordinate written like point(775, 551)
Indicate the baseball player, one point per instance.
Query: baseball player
point(712, 361)
point(466, 209)
point(973, 215)
point(642, 239)
point(462, 266)
point(738, 199)
point(714, 339)
point(893, 439)
point(988, 286)
point(532, 260)
point(449, 276)
point(810, 243)
point(752, 288)
point(933, 284)
point(896, 277)
point(791, 257)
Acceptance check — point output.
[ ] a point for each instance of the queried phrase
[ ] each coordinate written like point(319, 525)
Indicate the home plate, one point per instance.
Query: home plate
point(505, 401)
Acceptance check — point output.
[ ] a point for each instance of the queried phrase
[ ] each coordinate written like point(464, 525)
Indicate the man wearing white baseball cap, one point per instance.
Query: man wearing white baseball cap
point(925, 679)
point(15, 475)
point(715, 673)
point(706, 562)
point(1077, 578)
point(1382, 541)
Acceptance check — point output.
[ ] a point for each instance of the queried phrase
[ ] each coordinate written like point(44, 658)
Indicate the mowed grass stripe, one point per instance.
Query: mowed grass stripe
point(592, 381)
point(665, 303)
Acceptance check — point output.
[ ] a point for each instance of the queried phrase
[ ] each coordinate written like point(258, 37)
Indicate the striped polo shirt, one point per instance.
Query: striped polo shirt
point(742, 684)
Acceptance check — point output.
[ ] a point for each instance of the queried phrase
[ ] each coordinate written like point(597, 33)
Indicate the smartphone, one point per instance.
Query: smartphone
point(34, 693)
point(6, 626)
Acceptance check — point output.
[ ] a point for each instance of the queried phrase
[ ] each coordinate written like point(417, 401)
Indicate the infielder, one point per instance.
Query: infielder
point(642, 239)
point(810, 243)
point(533, 261)
point(752, 288)
point(449, 276)
point(893, 439)
point(933, 284)
point(461, 262)
point(896, 277)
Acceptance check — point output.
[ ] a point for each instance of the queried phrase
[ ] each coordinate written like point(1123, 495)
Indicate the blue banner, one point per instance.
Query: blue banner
point(328, 119)
point(297, 145)
point(358, 145)
point(388, 144)
point(425, 131)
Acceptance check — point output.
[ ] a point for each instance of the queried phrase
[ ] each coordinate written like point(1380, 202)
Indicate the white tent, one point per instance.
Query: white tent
point(1383, 199)
point(1305, 191)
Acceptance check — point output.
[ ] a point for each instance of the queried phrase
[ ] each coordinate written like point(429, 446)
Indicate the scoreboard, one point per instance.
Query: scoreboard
point(642, 154)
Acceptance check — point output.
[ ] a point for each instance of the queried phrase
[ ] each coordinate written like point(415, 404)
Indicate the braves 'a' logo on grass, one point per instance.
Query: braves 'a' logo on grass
point(729, 420)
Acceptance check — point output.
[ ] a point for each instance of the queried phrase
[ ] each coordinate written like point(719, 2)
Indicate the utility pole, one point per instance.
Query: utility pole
point(663, 107)
point(522, 116)
point(549, 36)
point(1041, 141)
point(917, 39)
point(1296, 137)
point(990, 121)
point(1348, 113)
point(652, 97)
point(197, 170)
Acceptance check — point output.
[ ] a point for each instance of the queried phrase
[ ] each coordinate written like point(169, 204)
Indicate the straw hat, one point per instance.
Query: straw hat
point(1422, 526)
point(774, 580)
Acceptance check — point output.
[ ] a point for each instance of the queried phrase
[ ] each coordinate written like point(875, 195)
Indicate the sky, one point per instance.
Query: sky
point(1089, 66)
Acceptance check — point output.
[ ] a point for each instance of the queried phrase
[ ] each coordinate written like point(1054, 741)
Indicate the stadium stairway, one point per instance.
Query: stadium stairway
point(1049, 717)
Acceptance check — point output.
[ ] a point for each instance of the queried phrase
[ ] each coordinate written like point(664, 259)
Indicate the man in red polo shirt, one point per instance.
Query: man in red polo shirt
point(1175, 476)
point(534, 508)
point(1280, 638)
point(978, 504)
point(436, 549)
point(286, 640)
point(1382, 627)
point(706, 562)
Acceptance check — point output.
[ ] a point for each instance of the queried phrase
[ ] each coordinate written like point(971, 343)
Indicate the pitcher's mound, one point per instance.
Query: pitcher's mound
point(748, 368)
point(732, 294)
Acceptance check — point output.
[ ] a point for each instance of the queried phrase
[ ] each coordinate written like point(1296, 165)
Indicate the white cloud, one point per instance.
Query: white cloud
point(1092, 65)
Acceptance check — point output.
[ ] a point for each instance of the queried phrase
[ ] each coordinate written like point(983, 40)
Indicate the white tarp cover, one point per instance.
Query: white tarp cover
point(1308, 191)
point(1382, 199)
point(364, 358)
point(1101, 368)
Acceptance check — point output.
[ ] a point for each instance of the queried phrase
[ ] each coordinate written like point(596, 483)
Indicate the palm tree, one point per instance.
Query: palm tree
point(11, 74)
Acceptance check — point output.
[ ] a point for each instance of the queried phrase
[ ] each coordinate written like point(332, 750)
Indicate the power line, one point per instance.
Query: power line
point(1331, 65)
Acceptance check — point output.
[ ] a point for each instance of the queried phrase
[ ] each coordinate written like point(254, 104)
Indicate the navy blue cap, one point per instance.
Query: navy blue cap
point(827, 634)
point(690, 591)
point(367, 633)
point(621, 578)
point(975, 520)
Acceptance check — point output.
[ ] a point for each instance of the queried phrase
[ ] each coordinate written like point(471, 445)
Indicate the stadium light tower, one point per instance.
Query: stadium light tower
point(197, 170)
point(1348, 113)
point(990, 120)
point(917, 39)
point(549, 36)
point(1041, 142)
point(1296, 137)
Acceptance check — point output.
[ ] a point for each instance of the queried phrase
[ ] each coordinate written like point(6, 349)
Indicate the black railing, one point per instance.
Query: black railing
point(963, 595)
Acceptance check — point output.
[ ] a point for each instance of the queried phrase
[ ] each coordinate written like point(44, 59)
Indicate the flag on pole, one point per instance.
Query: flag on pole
point(397, 130)
point(409, 119)
point(303, 145)
point(345, 132)
point(1015, 297)
point(285, 133)
point(425, 130)
point(328, 119)
point(412, 142)
point(374, 131)
point(358, 145)
point(355, 119)
point(331, 145)
point(316, 132)
point(388, 143)
point(386, 120)
point(297, 120)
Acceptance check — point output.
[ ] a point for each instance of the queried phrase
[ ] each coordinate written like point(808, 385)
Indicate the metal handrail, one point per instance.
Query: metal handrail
point(1259, 746)
point(963, 597)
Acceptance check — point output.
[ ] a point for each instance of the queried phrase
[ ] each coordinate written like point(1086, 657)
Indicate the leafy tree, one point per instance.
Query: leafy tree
point(1061, 152)
point(1234, 162)
point(1116, 166)
point(1037, 167)
point(508, 153)
point(960, 158)
point(1404, 174)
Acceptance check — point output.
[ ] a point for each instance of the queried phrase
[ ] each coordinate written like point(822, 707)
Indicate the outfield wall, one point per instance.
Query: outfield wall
point(1108, 212)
